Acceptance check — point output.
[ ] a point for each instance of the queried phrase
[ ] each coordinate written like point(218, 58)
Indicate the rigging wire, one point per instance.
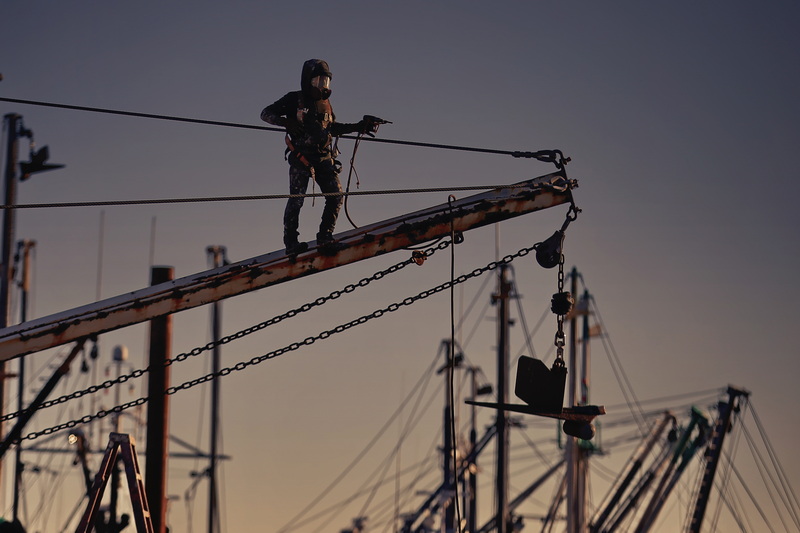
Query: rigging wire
point(481, 315)
point(769, 482)
point(422, 467)
point(606, 473)
point(365, 486)
point(535, 448)
point(404, 434)
point(616, 366)
point(388, 460)
point(735, 510)
point(529, 333)
point(422, 381)
point(422, 472)
point(785, 483)
point(383, 512)
point(701, 396)
point(734, 503)
point(388, 502)
point(753, 500)
point(518, 298)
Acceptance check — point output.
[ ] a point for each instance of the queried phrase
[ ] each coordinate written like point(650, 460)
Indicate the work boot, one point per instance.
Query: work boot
point(294, 247)
point(327, 244)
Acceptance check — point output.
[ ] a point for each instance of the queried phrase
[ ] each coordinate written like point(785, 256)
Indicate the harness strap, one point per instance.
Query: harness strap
point(291, 149)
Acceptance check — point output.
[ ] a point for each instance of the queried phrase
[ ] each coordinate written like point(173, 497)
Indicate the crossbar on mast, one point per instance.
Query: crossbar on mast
point(276, 267)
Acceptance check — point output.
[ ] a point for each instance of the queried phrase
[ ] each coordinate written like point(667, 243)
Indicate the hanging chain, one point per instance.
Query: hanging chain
point(291, 347)
point(417, 258)
point(562, 301)
point(560, 339)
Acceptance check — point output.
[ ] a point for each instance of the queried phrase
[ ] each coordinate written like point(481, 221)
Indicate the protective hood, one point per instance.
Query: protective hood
point(311, 69)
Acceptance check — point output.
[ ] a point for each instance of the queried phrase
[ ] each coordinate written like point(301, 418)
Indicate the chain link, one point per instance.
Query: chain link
point(242, 365)
point(232, 337)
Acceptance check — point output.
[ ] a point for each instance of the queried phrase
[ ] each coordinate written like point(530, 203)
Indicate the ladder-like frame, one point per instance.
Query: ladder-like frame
point(119, 443)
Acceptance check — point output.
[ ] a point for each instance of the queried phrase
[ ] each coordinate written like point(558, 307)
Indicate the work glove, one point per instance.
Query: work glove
point(369, 125)
point(366, 126)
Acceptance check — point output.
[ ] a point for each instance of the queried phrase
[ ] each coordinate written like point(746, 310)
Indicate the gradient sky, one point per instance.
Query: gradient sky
point(681, 120)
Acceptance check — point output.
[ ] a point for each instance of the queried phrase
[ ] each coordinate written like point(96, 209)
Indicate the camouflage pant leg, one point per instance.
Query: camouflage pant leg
point(298, 184)
point(327, 177)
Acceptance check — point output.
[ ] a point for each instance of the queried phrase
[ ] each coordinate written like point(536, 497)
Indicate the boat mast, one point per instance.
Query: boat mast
point(448, 449)
point(217, 256)
point(25, 247)
point(576, 476)
point(501, 300)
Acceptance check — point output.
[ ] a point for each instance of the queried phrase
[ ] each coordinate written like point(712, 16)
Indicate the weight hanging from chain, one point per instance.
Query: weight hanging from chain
point(561, 303)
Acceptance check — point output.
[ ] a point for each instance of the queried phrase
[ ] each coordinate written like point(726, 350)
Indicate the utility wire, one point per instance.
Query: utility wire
point(422, 467)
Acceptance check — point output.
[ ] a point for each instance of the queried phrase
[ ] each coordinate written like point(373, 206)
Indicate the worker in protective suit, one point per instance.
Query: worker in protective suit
point(310, 126)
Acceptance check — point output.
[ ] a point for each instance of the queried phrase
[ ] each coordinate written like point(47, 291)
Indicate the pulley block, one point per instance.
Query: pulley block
point(548, 252)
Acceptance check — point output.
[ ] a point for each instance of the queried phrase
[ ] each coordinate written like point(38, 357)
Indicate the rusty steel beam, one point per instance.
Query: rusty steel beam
point(273, 268)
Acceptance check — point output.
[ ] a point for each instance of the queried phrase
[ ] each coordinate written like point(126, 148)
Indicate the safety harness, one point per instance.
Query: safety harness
point(290, 149)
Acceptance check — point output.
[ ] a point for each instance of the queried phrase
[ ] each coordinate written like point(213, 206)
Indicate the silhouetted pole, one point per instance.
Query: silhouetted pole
point(15, 130)
point(25, 246)
point(12, 121)
point(217, 254)
point(449, 481)
point(574, 502)
point(472, 505)
point(501, 299)
point(158, 409)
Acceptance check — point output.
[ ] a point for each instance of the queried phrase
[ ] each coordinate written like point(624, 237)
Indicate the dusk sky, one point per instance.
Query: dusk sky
point(681, 120)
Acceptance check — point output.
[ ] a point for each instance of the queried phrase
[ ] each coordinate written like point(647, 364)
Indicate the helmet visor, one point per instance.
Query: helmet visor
point(321, 82)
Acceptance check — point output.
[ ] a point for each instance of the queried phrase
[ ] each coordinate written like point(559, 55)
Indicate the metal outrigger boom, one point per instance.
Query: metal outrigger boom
point(276, 267)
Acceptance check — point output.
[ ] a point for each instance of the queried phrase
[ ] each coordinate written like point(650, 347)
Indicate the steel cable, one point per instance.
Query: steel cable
point(548, 156)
